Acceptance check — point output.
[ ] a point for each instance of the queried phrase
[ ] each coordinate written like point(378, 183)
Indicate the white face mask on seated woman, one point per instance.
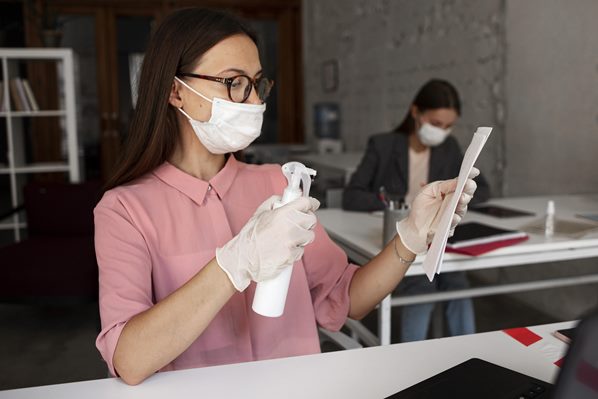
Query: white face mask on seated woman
point(431, 135)
point(232, 126)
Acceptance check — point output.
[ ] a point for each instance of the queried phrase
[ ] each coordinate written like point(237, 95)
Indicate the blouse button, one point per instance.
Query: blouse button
point(209, 187)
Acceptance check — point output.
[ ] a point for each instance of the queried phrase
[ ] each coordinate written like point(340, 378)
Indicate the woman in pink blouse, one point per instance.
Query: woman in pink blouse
point(184, 230)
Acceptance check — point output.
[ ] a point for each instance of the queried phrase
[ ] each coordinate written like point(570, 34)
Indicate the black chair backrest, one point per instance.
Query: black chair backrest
point(62, 209)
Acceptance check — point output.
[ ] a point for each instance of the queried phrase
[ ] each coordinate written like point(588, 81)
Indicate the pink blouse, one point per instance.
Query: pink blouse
point(154, 234)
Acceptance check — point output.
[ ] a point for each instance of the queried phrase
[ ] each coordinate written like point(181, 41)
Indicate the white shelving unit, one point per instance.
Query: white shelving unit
point(10, 58)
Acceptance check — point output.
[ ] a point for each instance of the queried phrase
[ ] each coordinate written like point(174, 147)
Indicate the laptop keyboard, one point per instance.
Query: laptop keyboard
point(534, 391)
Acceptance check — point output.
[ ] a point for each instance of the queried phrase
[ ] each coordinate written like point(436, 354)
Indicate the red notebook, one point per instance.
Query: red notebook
point(474, 238)
point(480, 249)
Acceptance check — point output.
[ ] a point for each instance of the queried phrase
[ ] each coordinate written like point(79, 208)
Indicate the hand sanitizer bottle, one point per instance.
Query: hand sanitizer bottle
point(549, 223)
point(270, 296)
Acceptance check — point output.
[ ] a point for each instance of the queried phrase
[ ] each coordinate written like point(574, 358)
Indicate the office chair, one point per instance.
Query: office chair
point(57, 258)
point(336, 340)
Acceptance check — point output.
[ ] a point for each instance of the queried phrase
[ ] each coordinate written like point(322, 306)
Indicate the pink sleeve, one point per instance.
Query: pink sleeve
point(329, 275)
point(124, 272)
point(328, 271)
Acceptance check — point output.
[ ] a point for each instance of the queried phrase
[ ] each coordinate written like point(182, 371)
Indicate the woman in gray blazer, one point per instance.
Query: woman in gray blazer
point(396, 165)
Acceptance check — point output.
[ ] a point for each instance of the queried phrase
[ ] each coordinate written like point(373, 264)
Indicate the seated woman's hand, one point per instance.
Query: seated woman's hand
point(271, 240)
point(417, 230)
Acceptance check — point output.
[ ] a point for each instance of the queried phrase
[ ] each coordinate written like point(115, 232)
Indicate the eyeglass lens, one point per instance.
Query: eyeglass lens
point(240, 88)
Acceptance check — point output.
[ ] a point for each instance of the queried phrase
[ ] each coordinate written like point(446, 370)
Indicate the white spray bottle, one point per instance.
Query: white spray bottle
point(271, 295)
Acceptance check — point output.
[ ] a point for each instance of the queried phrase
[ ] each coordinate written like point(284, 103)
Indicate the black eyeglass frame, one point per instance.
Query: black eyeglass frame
point(229, 81)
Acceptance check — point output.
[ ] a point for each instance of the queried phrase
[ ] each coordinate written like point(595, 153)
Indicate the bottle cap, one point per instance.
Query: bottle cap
point(550, 208)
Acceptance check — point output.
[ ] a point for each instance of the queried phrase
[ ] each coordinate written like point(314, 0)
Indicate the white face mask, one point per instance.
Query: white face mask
point(432, 136)
point(232, 126)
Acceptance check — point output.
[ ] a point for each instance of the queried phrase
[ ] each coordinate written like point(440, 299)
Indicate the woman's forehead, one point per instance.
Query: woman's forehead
point(445, 114)
point(236, 52)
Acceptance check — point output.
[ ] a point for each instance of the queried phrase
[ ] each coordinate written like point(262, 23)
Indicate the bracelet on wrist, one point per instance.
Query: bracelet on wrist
point(401, 259)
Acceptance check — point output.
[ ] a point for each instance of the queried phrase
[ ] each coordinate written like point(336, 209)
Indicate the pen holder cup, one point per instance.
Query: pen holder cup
point(391, 217)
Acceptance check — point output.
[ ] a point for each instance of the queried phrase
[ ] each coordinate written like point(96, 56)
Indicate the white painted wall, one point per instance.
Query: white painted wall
point(552, 96)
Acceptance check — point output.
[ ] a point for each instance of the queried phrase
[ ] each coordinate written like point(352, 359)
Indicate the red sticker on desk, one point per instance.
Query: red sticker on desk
point(523, 335)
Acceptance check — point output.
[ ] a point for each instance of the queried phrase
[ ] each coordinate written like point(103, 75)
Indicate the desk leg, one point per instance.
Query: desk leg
point(384, 321)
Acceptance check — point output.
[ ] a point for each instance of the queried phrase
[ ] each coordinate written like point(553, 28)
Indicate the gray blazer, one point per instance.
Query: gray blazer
point(386, 163)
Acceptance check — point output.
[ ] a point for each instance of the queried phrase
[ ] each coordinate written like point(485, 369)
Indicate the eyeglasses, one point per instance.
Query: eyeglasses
point(239, 86)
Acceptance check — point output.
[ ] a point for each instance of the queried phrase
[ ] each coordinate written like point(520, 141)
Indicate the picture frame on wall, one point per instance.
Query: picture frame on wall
point(329, 76)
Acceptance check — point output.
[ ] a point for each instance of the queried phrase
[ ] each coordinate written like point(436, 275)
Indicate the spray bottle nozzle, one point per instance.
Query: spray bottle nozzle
point(297, 173)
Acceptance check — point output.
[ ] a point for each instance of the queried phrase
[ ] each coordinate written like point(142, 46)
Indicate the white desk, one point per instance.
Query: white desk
point(360, 235)
point(344, 162)
point(374, 372)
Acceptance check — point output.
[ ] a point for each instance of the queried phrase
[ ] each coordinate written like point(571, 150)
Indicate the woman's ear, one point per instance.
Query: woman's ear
point(174, 98)
point(414, 111)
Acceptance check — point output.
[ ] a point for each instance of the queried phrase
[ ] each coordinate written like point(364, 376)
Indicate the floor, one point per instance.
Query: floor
point(44, 345)
point(56, 344)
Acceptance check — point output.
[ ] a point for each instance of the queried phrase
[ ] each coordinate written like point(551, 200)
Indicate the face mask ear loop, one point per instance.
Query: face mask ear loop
point(192, 89)
point(184, 113)
point(417, 122)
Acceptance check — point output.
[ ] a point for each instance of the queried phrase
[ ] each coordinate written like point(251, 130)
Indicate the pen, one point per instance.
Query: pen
point(382, 195)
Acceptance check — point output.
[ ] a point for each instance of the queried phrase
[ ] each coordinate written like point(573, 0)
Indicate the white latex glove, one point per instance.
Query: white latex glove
point(417, 230)
point(271, 240)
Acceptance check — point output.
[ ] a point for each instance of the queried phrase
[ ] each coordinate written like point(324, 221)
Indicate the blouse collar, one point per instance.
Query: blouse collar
point(197, 189)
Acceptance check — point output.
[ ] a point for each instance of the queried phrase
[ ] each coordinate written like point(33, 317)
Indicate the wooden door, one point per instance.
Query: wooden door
point(115, 84)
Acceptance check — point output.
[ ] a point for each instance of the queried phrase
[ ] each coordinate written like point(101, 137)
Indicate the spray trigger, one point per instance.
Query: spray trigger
point(297, 173)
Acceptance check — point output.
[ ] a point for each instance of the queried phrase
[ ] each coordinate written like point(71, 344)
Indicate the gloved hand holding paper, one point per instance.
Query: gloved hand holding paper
point(433, 261)
point(418, 228)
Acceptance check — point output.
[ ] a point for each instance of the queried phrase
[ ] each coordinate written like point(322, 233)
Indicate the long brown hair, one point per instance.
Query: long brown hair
point(177, 46)
point(436, 93)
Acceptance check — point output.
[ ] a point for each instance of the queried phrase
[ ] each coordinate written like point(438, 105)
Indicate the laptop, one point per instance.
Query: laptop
point(477, 378)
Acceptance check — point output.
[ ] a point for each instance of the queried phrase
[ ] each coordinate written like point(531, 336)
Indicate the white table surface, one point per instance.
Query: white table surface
point(360, 234)
point(360, 373)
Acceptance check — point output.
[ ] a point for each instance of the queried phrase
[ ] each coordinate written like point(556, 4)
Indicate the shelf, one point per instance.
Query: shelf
point(10, 226)
point(58, 54)
point(38, 168)
point(20, 114)
point(15, 164)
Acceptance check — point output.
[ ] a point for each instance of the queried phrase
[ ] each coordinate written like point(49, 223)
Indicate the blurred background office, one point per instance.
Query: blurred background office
point(344, 70)
point(529, 69)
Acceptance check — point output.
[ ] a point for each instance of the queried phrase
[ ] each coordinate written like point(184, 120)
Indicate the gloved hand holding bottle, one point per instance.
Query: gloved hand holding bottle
point(271, 240)
point(417, 230)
